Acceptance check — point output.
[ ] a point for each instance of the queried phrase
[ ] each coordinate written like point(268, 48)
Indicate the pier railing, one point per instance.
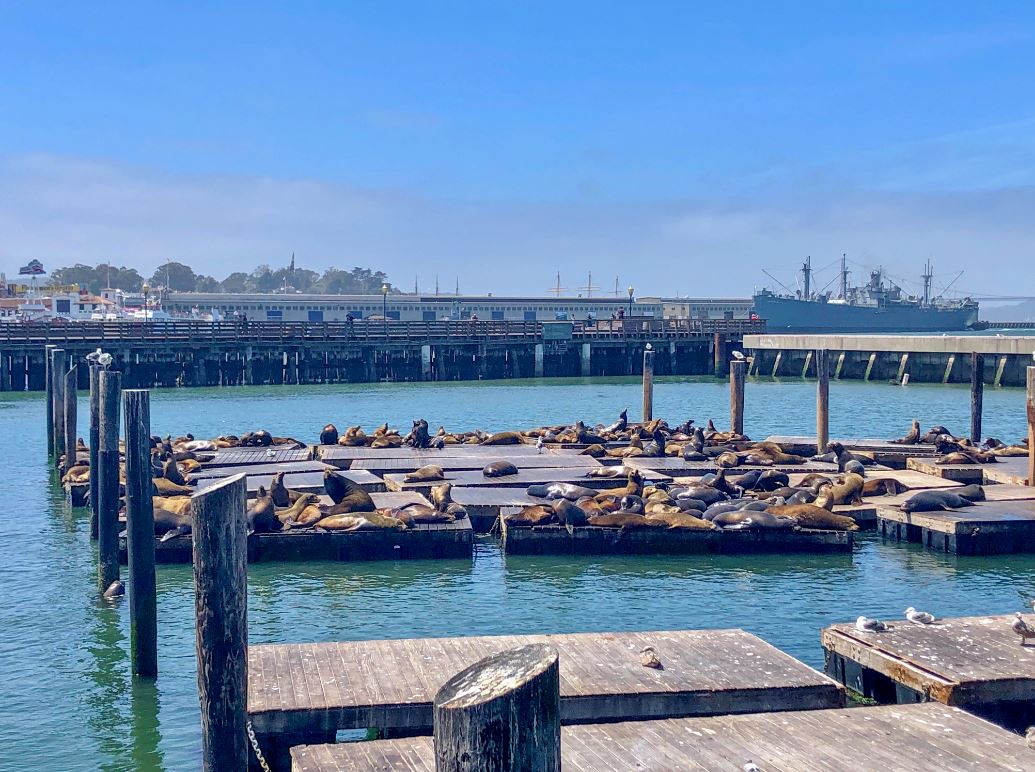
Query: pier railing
point(366, 330)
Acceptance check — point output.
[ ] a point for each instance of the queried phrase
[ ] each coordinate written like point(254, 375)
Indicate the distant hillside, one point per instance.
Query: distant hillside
point(1019, 312)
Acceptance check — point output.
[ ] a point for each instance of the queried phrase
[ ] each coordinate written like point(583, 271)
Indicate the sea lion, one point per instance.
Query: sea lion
point(632, 487)
point(814, 481)
point(912, 436)
point(727, 460)
point(883, 486)
point(171, 472)
point(844, 456)
point(770, 479)
point(418, 436)
point(346, 495)
point(353, 437)
point(559, 490)
point(620, 424)
point(774, 453)
point(529, 516)
point(304, 511)
point(970, 492)
point(262, 515)
point(747, 520)
point(367, 521)
point(329, 435)
point(570, 515)
point(848, 491)
point(441, 496)
point(608, 471)
point(631, 505)
point(702, 493)
point(281, 495)
point(594, 451)
point(499, 469)
point(429, 473)
point(419, 514)
point(179, 505)
point(683, 521)
point(169, 525)
point(163, 487)
point(504, 438)
point(625, 521)
point(934, 501)
point(811, 516)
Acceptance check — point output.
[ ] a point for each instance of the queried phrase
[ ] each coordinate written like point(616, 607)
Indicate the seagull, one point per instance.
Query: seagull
point(539, 444)
point(738, 355)
point(270, 453)
point(649, 658)
point(751, 767)
point(1029, 737)
point(1020, 627)
point(92, 358)
point(863, 624)
point(650, 347)
point(919, 617)
point(105, 360)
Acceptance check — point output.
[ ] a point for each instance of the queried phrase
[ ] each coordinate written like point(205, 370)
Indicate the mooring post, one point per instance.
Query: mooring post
point(822, 399)
point(719, 354)
point(71, 411)
point(738, 368)
point(110, 386)
point(648, 383)
point(140, 534)
point(220, 606)
point(95, 438)
point(502, 713)
point(58, 366)
point(1031, 426)
point(977, 394)
point(48, 383)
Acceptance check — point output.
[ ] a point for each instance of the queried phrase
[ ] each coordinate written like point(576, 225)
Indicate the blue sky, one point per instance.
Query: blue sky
point(679, 147)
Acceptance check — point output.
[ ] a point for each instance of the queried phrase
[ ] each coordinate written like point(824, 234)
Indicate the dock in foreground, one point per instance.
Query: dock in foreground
point(992, 527)
point(976, 663)
point(925, 738)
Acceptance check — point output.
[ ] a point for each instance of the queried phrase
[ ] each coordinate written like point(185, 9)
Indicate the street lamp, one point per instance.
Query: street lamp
point(631, 290)
point(147, 291)
point(384, 306)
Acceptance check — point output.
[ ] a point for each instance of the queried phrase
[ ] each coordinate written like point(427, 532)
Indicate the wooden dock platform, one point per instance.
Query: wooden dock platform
point(521, 480)
point(483, 505)
point(921, 738)
point(441, 540)
point(250, 470)
point(976, 663)
point(305, 482)
point(591, 540)
point(987, 528)
point(315, 689)
point(342, 456)
point(383, 466)
point(677, 467)
point(962, 473)
point(238, 456)
point(1012, 470)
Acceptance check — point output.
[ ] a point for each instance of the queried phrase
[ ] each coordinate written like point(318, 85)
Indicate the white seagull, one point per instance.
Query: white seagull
point(866, 625)
point(650, 347)
point(539, 444)
point(751, 767)
point(919, 617)
point(92, 358)
point(1020, 627)
point(105, 360)
point(738, 355)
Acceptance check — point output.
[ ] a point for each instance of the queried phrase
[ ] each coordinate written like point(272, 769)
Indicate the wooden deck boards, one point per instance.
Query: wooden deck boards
point(861, 444)
point(989, 527)
point(964, 473)
point(383, 466)
point(1013, 470)
point(307, 482)
point(341, 456)
point(483, 504)
point(524, 478)
point(961, 661)
point(238, 456)
point(390, 683)
point(924, 738)
point(258, 469)
point(680, 468)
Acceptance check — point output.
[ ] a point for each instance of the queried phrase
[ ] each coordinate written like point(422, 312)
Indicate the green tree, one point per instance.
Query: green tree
point(206, 284)
point(175, 277)
point(235, 282)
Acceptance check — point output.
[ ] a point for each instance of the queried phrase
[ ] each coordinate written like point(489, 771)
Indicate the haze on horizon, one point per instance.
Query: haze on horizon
point(678, 148)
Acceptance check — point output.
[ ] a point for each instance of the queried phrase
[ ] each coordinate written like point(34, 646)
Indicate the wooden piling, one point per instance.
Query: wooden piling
point(48, 382)
point(1031, 426)
point(95, 438)
point(110, 385)
point(719, 354)
point(738, 368)
point(140, 530)
point(822, 399)
point(977, 394)
point(220, 604)
point(58, 366)
point(71, 415)
point(648, 383)
point(502, 713)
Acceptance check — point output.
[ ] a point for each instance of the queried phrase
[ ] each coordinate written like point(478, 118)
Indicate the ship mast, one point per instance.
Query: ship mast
point(928, 275)
point(844, 276)
point(806, 270)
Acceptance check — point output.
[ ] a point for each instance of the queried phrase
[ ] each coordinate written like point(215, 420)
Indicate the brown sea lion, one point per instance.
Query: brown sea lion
point(504, 438)
point(849, 490)
point(368, 521)
point(775, 453)
point(570, 515)
point(596, 451)
point(625, 521)
point(751, 519)
point(608, 471)
point(682, 520)
point(346, 495)
point(420, 514)
point(304, 511)
point(171, 472)
point(441, 496)
point(912, 436)
point(279, 492)
point(262, 514)
point(329, 435)
point(529, 516)
point(882, 486)
point(429, 473)
point(77, 474)
point(814, 481)
point(499, 469)
point(169, 525)
point(590, 506)
point(811, 516)
point(163, 487)
point(177, 504)
point(632, 487)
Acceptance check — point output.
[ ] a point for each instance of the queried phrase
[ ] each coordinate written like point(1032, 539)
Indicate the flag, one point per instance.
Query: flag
point(34, 268)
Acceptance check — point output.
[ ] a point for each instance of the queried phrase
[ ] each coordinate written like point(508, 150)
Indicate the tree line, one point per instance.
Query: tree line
point(179, 277)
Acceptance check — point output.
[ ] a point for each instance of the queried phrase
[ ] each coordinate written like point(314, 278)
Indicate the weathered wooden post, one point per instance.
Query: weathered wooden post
point(502, 714)
point(71, 425)
point(58, 366)
point(648, 383)
point(95, 438)
point(220, 606)
point(977, 394)
point(719, 354)
point(822, 399)
point(110, 386)
point(48, 383)
point(140, 534)
point(1031, 426)
point(738, 369)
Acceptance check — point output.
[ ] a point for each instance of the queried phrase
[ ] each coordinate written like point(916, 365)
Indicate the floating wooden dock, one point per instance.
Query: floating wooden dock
point(592, 540)
point(962, 473)
point(523, 479)
point(439, 540)
point(976, 663)
point(677, 467)
point(924, 738)
point(304, 482)
point(275, 454)
point(288, 467)
point(383, 466)
point(1012, 470)
point(987, 528)
point(315, 689)
point(342, 456)
point(483, 505)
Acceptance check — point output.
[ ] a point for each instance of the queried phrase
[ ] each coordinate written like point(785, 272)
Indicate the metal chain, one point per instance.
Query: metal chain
point(255, 747)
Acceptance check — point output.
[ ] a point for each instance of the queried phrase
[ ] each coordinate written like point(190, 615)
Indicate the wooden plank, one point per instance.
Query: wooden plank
point(1013, 470)
point(205, 473)
point(907, 477)
point(391, 682)
point(341, 456)
point(926, 737)
point(238, 456)
point(383, 466)
point(306, 482)
point(523, 479)
point(862, 444)
point(677, 466)
point(964, 473)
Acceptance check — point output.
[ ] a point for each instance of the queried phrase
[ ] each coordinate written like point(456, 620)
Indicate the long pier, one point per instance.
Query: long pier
point(192, 353)
point(1002, 359)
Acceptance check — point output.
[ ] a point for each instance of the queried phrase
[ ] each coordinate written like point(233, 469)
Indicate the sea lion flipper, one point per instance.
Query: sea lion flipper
point(571, 530)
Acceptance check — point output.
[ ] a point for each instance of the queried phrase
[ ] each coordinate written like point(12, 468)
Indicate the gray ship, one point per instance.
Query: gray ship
point(877, 306)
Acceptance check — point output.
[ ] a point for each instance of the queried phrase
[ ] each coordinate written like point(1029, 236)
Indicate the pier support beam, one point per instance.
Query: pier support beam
point(822, 400)
point(648, 384)
point(738, 367)
point(585, 360)
point(110, 383)
point(869, 366)
point(902, 364)
point(501, 714)
point(977, 395)
point(539, 359)
point(49, 385)
point(221, 613)
point(95, 438)
point(58, 366)
point(805, 367)
point(71, 415)
point(719, 354)
point(1031, 426)
point(425, 363)
point(948, 368)
point(140, 535)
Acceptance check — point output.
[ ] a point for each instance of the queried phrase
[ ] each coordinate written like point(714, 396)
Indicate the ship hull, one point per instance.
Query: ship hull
point(791, 315)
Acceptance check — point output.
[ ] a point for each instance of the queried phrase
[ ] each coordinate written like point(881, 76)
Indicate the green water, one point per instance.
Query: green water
point(68, 700)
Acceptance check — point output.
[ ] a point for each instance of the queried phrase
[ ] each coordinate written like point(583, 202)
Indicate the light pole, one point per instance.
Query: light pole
point(384, 306)
point(147, 291)
point(631, 300)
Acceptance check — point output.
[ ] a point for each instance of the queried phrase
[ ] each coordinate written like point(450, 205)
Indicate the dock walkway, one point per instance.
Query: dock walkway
point(921, 738)
point(523, 479)
point(988, 528)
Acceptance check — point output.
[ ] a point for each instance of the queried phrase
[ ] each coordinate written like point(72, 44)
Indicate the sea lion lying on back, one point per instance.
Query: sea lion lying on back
point(810, 516)
point(346, 495)
point(429, 473)
point(499, 469)
point(504, 438)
